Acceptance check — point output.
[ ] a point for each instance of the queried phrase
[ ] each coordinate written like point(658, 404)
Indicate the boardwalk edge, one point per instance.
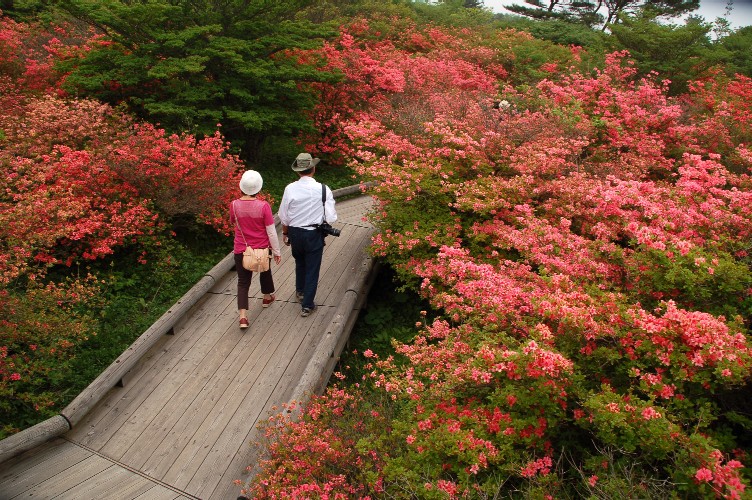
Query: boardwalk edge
point(72, 414)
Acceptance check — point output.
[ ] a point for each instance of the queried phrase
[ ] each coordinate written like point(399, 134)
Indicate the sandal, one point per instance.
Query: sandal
point(266, 302)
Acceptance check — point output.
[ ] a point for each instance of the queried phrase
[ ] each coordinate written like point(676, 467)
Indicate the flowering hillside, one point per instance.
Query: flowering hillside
point(586, 241)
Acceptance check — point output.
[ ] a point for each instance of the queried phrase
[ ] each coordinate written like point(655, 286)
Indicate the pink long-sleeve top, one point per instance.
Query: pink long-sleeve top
point(255, 220)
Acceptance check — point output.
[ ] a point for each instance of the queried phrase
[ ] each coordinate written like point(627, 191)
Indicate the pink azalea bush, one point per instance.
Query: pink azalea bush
point(586, 241)
point(79, 181)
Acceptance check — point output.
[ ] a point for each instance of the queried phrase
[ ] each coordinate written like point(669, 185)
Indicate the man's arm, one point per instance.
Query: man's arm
point(283, 212)
point(285, 238)
point(330, 212)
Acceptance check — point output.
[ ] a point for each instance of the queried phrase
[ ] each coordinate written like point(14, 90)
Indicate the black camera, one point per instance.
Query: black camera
point(327, 229)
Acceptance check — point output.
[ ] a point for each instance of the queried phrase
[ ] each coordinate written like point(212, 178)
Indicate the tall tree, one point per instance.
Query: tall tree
point(739, 47)
point(600, 12)
point(191, 64)
point(538, 9)
point(676, 53)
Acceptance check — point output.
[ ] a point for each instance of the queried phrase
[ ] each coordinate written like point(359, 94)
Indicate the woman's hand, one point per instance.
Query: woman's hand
point(277, 259)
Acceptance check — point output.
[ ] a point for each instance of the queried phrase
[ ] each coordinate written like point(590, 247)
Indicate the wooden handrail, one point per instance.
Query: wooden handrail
point(33, 436)
point(321, 365)
point(114, 373)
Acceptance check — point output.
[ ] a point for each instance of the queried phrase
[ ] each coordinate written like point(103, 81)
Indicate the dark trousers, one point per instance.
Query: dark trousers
point(244, 281)
point(307, 249)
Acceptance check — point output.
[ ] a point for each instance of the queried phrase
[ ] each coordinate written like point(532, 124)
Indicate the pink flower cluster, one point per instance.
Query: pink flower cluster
point(725, 477)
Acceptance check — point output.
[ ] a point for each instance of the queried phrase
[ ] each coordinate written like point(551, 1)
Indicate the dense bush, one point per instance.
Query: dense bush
point(585, 240)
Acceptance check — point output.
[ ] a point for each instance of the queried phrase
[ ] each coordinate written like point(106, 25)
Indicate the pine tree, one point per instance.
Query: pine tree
point(191, 64)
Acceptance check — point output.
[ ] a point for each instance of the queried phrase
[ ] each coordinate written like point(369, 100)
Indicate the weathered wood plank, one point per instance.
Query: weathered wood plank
point(176, 425)
point(99, 424)
point(122, 404)
point(90, 396)
point(250, 352)
point(93, 485)
point(168, 383)
point(64, 470)
point(124, 485)
point(161, 493)
point(27, 470)
point(260, 378)
point(246, 455)
point(254, 406)
point(70, 476)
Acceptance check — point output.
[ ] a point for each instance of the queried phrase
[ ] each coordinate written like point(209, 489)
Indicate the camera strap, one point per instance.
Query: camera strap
point(323, 201)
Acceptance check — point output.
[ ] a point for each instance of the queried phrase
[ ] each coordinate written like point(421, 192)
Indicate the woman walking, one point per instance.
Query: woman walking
point(254, 227)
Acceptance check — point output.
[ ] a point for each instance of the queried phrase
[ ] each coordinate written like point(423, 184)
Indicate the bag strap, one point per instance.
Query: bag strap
point(237, 223)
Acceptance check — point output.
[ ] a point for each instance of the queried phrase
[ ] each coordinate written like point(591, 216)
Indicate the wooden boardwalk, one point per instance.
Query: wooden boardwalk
point(181, 424)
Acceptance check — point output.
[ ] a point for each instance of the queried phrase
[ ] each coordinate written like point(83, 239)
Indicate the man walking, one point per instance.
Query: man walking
point(300, 211)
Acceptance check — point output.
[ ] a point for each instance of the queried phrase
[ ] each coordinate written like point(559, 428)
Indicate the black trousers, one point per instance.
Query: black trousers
point(307, 249)
point(244, 281)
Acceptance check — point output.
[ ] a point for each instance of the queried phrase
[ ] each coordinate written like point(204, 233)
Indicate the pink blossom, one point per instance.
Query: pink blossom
point(542, 466)
point(704, 475)
point(650, 413)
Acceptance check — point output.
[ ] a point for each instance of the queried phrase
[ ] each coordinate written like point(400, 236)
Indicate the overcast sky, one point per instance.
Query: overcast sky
point(741, 13)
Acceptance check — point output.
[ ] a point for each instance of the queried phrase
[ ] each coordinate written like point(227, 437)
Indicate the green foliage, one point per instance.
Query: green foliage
point(391, 314)
point(341, 11)
point(528, 60)
point(21, 10)
point(566, 33)
point(589, 13)
point(620, 425)
point(453, 13)
point(191, 65)
point(738, 47)
point(676, 53)
point(38, 333)
point(710, 277)
point(427, 219)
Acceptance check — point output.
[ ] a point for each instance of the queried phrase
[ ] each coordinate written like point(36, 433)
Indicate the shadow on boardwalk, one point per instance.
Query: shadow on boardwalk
point(180, 425)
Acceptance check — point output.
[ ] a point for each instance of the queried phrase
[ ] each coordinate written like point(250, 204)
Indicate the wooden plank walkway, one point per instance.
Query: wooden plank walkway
point(181, 424)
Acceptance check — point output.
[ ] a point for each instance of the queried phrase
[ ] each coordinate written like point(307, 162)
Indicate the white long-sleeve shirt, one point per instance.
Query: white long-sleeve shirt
point(301, 204)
